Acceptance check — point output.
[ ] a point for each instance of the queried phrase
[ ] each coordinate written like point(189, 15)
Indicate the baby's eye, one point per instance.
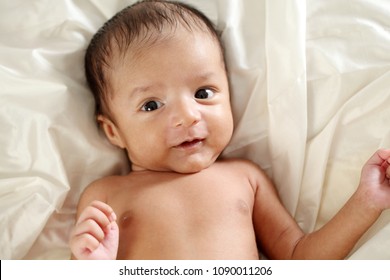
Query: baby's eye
point(204, 93)
point(151, 106)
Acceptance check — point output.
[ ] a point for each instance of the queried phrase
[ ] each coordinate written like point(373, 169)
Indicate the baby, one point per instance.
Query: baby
point(158, 75)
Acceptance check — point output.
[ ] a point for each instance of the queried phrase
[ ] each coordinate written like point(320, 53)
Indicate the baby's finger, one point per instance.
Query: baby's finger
point(102, 217)
point(91, 213)
point(104, 207)
point(90, 227)
point(379, 157)
point(85, 244)
point(388, 172)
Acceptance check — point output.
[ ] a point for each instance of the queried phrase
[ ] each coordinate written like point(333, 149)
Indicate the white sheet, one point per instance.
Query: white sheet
point(310, 93)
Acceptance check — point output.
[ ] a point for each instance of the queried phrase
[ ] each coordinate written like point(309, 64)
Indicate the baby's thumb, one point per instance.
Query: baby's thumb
point(111, 239)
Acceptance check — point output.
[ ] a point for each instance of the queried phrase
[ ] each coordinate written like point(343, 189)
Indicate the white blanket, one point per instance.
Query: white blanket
point(310, 93)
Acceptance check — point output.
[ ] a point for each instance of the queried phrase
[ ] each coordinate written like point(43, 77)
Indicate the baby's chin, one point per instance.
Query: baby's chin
point(193, 166)
point(191, 170)
point(179, 167)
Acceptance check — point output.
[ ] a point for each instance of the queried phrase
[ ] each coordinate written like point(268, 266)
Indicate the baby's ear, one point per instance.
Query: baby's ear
point(112, 131)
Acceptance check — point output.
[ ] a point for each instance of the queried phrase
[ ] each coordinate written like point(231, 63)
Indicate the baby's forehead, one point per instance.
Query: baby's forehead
point(150, 35)
point(145, 23)
point(148, 38)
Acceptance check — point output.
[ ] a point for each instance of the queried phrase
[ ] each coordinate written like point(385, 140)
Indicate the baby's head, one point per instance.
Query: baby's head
point(158, 75)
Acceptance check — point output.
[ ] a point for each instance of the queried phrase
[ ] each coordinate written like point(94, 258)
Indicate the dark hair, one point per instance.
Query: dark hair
point(137, 23)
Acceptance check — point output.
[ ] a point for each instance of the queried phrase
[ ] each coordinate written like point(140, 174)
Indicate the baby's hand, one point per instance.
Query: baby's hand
point(374, 181)
point(96, 234)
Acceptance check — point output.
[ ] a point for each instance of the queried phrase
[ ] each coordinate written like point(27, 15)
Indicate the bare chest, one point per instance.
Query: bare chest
point(178, 213)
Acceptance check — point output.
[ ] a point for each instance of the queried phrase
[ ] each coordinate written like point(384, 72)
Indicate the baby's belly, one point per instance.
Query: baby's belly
point(188, 236)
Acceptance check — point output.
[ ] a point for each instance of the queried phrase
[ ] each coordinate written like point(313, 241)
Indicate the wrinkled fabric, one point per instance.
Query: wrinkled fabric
point(310, 92)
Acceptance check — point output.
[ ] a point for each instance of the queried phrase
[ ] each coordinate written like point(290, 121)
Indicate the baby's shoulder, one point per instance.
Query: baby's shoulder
point(245, 168)
point(239, 165)
point(99, 189)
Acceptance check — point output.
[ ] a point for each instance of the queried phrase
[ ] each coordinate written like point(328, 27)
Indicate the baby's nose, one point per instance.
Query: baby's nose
point(187, 113)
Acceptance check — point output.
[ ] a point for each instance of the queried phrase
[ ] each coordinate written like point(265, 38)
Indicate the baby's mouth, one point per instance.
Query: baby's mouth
point(190, 144)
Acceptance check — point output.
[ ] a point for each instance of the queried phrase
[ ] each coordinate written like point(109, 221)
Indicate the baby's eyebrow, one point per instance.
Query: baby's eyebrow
point(198, 77)
point(204, 77)
point(138, 90)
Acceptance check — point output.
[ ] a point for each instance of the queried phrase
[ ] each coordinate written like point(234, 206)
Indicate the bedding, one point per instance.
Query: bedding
point(310, 90)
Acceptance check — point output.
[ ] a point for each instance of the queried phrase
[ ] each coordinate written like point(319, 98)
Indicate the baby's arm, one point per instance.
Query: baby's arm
point(281, 238)
point(337, 238)
point(96, 234)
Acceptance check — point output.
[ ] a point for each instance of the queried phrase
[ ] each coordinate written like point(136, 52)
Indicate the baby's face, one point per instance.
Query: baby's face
point(170, 104)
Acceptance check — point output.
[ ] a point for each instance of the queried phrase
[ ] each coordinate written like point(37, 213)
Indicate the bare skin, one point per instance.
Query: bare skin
point(165, 215)
point(170, 111)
